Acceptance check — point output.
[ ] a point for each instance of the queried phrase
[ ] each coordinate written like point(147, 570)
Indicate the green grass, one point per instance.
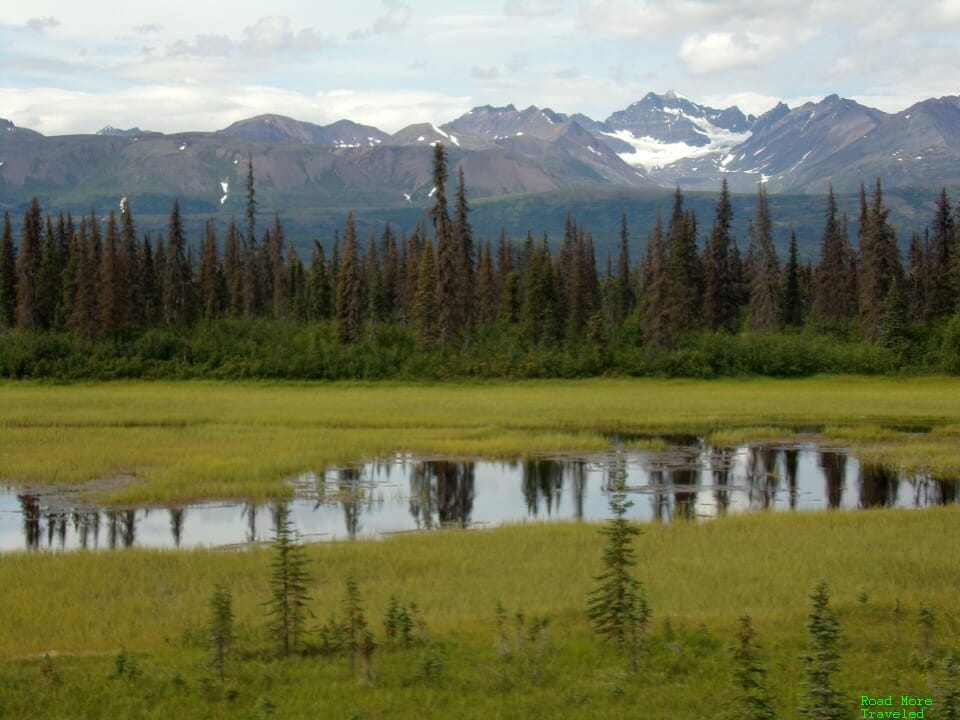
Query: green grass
point(186, 440)
point(83, 608)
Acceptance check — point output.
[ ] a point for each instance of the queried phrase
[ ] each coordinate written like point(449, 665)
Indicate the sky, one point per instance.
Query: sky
point(71, 67)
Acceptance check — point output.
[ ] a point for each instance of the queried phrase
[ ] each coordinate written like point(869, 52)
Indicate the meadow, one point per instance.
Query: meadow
point(123, 634)
point(176, 441)
point(74, 624)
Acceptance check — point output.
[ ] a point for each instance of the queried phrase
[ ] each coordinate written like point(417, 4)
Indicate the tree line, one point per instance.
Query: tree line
point(97, 278)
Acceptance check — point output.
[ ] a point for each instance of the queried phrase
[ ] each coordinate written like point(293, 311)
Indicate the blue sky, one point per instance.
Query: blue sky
point(69, 67)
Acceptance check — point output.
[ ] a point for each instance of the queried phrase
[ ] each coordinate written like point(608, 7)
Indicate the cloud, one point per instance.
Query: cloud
point(488, 73)
point(532, 8)
point(148, 28)
point(395, 19)
point(717, 52)
point(202, 46)
point(42, 23)
point(273, 35)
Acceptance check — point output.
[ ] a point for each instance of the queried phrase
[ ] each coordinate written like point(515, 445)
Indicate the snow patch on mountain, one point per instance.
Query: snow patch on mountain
point(653, 154)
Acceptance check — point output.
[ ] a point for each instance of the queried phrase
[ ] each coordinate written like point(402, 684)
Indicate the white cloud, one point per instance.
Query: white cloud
point(271, 35)
point(718, 52)
point(203, 46)
point(395, 19)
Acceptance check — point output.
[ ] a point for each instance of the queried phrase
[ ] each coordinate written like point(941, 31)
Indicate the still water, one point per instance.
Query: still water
point(406, 493)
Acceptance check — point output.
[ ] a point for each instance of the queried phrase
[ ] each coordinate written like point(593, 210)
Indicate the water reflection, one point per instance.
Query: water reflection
point(406, 493)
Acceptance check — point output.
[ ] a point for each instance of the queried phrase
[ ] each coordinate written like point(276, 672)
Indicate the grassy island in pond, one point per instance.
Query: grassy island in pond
point(164, 441)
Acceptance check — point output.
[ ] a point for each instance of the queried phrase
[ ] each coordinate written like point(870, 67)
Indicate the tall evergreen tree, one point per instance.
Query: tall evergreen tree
point(152, 300)
point(656, 329)
point(131, 280)
point(486, 286)
point(349, 296)
point(720, 294)
point(233, 270)
point(942, 291)
point(276, 269)
point(50, 280)
point(319, 292)
point(765, 281)
point(28, 263)
point(683, 288)
point(449, 256)
point(834, 286)
point(624, 292)
point(879, 261)
point(918, 278)
point(8, 275)
point(177, 301)
point(425, 311)
point(792, 298)
point(463, 234)
point(212, 285)
point(110, 303)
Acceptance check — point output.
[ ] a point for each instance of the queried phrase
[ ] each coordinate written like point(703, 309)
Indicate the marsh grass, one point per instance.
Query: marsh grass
point(192, 440)
point(82, 608)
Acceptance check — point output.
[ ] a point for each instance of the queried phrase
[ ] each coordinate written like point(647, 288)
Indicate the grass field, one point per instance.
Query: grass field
point(84, 608)
point(72, 626)
point(187, 440)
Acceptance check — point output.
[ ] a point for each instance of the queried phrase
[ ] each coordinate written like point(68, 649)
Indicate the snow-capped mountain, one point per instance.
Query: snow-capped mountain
point(660, 141)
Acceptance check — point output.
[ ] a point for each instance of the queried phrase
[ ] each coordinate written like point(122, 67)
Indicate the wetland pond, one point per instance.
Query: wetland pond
point(686, 480)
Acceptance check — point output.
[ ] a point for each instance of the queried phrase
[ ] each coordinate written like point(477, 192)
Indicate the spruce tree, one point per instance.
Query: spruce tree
point(287, 608)
point(8, 275)
point(212, 284)
point(28, 262)
point(683, 286)
point(617, 607)
point(220, 627)
point(624, 294)
point(463, 234)
point(449, 256)
point(752, 701)
point(425, 312)
point(834, 287)
point(109, 301)
point(719, 294)
point(821, 700)
point(656, 328)
point(50, 280)
point(131, 280)
point(792, 298)
point(941, 299)
point(765, 274)
point(233, 273)
point(349, 295)
point(177, 281)
point(879, 261)
point(319, 294)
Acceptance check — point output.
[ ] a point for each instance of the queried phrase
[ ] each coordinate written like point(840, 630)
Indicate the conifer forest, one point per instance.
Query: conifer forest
point(92, 297)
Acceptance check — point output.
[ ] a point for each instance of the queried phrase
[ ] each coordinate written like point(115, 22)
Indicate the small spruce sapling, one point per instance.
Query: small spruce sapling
point(752, 701)
point(821, 700)
point(287, 607)
point(221, 627)
point(617, 607)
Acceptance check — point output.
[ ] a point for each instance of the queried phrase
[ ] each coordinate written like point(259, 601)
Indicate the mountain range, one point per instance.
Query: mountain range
point(654, 145)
